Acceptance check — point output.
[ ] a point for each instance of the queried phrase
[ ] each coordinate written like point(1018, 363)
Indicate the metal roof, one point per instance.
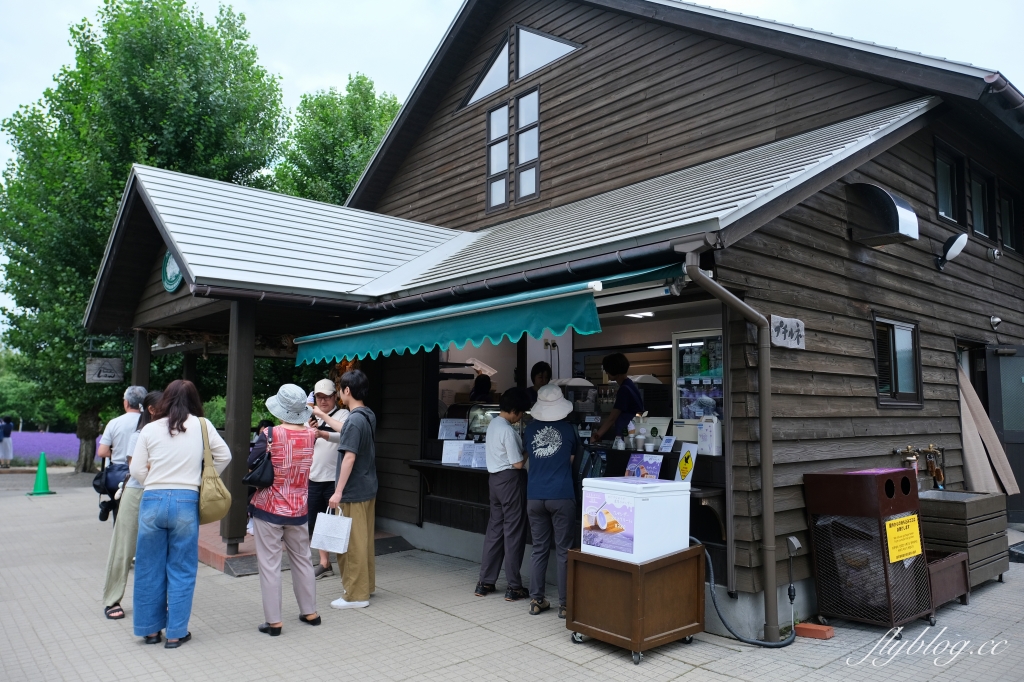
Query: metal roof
point(707, 197)
point(229, 235)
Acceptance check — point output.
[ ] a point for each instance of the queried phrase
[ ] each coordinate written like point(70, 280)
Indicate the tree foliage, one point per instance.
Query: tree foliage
point(332, 139)
point(153, 82)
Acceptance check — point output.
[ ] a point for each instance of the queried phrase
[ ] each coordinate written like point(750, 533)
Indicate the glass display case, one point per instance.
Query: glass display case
point(697, 371)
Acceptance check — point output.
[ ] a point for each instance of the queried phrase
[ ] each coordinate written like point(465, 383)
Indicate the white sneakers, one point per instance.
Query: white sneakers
point(342, 604)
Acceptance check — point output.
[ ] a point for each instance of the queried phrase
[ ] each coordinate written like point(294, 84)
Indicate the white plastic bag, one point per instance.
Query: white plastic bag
point(332, 532)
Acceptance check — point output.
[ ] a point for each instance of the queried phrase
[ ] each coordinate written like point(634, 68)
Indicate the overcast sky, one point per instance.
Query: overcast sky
point(314, 44)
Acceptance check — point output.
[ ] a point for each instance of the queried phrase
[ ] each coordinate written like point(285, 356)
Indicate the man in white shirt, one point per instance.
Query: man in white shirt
point(325, 460)
point(506, 525)
point(116, 436)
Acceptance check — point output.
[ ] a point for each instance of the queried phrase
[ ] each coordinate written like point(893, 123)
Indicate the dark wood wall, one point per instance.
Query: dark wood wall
point(640, 100)
point(803, 265)
point(396, 397)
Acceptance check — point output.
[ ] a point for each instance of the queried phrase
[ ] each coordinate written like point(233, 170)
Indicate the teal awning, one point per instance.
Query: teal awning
point(555, 309)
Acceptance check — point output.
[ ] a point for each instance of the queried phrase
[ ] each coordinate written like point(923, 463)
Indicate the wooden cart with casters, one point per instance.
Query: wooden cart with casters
point(636, 606)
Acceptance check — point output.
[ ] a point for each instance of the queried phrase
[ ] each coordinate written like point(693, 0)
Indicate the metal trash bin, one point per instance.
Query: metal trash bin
point(855, 517)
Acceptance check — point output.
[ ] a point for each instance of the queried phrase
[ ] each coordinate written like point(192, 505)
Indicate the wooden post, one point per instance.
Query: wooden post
point(188, 367)
point(140, 360)
point(238, 416)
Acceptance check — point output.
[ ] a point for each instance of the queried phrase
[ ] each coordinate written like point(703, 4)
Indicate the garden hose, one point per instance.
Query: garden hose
point(755, 642)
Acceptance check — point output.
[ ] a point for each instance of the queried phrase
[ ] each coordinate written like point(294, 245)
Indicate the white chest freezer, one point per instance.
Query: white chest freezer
point(635, 519)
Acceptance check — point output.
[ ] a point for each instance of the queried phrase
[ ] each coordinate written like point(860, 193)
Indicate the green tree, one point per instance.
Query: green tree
point(153, 82)
point(332, 139)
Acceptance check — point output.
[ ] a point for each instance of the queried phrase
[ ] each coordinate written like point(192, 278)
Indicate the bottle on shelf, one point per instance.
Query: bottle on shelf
point(705, 361)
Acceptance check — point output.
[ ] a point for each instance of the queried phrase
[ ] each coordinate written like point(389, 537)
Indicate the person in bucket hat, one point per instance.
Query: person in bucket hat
point(551, 443)
point(280, 511)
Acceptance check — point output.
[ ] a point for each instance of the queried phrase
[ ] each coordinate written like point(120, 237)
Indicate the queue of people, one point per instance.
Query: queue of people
point(162, 436)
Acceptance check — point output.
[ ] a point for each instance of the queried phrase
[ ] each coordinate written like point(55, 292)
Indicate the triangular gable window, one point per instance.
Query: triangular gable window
point(496, 76)
point(536, 50)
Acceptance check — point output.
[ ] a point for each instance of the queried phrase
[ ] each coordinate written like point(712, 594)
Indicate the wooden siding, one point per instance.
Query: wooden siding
point(640, 100)
point(802, 264)
point(157, 308)
point(399, 418)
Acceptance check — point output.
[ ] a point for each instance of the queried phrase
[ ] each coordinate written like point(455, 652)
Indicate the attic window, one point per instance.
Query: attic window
point(536, 50)
point(496, 76)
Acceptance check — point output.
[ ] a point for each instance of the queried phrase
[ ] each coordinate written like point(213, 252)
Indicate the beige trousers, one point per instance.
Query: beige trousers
point(271, 539)
point(122, 546)
point(357, 565)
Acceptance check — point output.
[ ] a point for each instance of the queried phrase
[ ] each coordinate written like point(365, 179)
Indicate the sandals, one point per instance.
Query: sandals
point(152, 639)
point(539, 607)
point(309, 621)
point(174, 645)
point(110, 610)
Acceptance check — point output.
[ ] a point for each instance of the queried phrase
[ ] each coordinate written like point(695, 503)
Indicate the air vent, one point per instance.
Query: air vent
point(877, 217)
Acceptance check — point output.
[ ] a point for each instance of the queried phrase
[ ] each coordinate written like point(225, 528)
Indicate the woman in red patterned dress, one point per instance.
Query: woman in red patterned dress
point(279, 512)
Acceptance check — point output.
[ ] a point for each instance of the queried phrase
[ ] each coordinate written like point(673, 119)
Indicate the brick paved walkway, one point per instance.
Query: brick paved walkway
point(423, 623)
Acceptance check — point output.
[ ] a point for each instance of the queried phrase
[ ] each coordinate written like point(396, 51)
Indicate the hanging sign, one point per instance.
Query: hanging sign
point(104, 370)
point(904, 538)
point(787, 332)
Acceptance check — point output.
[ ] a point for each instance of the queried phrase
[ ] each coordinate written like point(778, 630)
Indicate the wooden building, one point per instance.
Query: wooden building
point(555, 142)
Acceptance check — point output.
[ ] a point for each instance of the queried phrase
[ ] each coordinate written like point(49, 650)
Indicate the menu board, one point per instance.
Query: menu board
point(644, 465)
point(453, 429)
point(451, 453)
point(608, 521)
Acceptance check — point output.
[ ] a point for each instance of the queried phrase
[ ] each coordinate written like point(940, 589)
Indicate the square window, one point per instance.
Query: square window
point(528, 145)
point(981, 204)
point(497, 194)
point(526, 182)
point(497, 157)
point(1008, 217)
point(898, 357)
point(529, 109)
point(497, 124)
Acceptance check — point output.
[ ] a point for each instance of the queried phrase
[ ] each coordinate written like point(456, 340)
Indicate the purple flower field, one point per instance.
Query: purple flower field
point(28, 445)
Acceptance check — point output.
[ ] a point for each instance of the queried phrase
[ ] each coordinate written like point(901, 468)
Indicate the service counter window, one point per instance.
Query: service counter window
point(898, 361)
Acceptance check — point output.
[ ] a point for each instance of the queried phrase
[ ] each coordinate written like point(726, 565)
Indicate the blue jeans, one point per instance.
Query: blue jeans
point(166, 561)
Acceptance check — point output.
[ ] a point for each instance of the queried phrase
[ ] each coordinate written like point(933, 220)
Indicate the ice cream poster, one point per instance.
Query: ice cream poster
point(608, 521)
point(644, 465)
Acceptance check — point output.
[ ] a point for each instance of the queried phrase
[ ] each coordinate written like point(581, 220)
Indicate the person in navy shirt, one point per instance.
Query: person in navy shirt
point(628, 401)
point(551, 443)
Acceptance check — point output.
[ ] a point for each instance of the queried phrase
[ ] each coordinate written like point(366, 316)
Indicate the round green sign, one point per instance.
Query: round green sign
point(170, 273)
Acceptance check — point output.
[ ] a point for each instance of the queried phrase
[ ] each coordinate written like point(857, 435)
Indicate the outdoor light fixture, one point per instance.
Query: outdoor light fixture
point(639, 316)
point(994, 254)
point(951, 249)
point(995, 322)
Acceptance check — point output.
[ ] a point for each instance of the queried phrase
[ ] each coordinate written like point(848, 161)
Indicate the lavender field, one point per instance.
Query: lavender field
point(57, 446)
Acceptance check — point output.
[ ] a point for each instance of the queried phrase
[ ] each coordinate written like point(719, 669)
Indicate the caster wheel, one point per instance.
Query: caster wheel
point(1000, 577)
point(931, 621)
point(822, 620)
point(636, 657)
point(898, 636)
point(576, 637)
point(688, 640)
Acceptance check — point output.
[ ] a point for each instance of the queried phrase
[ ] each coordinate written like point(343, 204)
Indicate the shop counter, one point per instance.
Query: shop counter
point(452, 496)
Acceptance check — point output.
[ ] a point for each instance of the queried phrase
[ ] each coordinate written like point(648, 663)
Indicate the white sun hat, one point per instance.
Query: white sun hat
point(289, 405)
point(551, 405)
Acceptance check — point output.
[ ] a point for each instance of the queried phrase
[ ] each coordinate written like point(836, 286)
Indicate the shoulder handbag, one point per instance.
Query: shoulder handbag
point(262, 473)
point(214, 498)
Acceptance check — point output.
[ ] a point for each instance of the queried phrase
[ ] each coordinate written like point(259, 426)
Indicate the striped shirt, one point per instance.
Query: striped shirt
point(284, 503)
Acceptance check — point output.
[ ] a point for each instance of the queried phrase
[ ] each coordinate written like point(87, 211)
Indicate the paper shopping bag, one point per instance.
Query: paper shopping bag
point(332, 532)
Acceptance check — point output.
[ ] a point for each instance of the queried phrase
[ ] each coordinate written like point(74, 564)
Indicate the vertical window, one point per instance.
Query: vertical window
point(982, 195)
point(528, 146)
point(898, 356)
point(497, 158)
point(1013, 235)
point(949, 175)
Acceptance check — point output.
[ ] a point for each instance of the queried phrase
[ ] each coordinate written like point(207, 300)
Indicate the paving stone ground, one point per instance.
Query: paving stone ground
point(423, 623)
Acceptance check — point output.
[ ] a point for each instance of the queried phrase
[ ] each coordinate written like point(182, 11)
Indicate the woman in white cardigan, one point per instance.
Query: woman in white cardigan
point(168, 462)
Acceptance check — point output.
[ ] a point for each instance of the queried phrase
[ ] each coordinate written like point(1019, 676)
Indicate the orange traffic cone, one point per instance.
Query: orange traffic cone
point(42, 486)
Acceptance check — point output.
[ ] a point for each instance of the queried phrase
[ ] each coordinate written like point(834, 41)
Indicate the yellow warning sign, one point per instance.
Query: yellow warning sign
point(904, 538)
point(685, 465)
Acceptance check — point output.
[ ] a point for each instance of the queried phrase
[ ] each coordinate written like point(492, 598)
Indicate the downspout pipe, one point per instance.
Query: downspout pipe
point(764, 388)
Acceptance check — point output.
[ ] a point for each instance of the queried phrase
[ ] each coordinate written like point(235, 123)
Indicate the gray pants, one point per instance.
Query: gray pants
point(552, 522)
point(295, 539)
point(122, 546)
point(506, 528)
